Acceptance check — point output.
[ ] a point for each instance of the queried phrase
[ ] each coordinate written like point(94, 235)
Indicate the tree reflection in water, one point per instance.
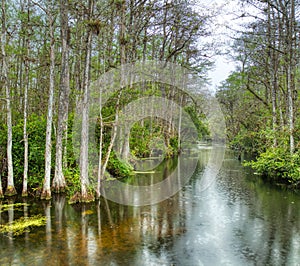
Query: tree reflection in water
point(238, 220)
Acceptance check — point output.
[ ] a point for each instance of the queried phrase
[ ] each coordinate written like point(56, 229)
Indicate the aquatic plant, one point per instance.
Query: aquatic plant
point(15, 206)
point(22, 225)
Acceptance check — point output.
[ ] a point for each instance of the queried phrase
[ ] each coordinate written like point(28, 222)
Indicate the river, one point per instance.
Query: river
point(237, 220)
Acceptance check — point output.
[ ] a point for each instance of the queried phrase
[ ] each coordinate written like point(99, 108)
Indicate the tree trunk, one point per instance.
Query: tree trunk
point(113, 136)
point(59, 182)
point(10, 191)
point(84, 162)
point(1, 190)
point(290, 69)
point(165, 34)
point(46, 194)
point(179, 125)
point(272, 68)
point(112, 140)
point(26, 84)
point(122, 40)
point(290, 111)
point(123, 43)
point(99, 175)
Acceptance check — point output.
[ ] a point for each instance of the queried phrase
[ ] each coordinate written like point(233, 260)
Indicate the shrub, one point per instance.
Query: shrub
point(36, 128)
point(118, 168)
point(279, 164)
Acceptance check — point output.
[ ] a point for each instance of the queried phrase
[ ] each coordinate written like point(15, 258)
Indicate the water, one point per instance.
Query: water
point(238, 220)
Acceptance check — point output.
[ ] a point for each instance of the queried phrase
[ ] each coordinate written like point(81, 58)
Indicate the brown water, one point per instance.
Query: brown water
point(238, 220)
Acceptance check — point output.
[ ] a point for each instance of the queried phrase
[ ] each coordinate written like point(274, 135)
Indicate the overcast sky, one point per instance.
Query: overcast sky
point(229, 15)
point(223, 65)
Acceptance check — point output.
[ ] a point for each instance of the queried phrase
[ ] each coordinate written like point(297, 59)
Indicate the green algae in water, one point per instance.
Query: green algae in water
point(23, 224)
point(15, 206)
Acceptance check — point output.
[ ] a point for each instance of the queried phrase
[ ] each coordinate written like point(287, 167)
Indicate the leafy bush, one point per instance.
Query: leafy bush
point(148, 138)
point(36, 128)
point(118, 168)
point(140, 137)
point(72, 180)
point(279, 164)
point(202, 128)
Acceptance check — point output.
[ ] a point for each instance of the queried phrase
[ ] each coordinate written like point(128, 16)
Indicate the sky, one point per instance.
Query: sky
point(223, 65)
point(229, 15)
point(223, 68)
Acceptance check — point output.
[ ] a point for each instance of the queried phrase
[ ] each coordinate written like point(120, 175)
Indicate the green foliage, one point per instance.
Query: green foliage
point(173, 147)
point(15, 207)
point(249, 141)
point(118, 168)
point(148, 136)
point(141, 136)
point(72, 176)
point(250, 129)
point(36, 128)
point(246, 118)
point(28, 46)
point(197, 119)
point(278, 164)
point(23, 224)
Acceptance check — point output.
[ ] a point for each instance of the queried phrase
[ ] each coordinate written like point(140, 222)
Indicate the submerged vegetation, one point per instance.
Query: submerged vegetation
point(23, 225)
point(15, 206)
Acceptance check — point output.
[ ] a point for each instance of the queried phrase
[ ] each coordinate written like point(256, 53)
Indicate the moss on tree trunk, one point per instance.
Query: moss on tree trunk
point(58, 188)
point(10, 191)
point(46, 194)
point(81, 198)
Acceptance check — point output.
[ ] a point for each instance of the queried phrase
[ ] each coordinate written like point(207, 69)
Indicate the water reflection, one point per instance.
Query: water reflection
point(238, 220)
point(165, 181)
